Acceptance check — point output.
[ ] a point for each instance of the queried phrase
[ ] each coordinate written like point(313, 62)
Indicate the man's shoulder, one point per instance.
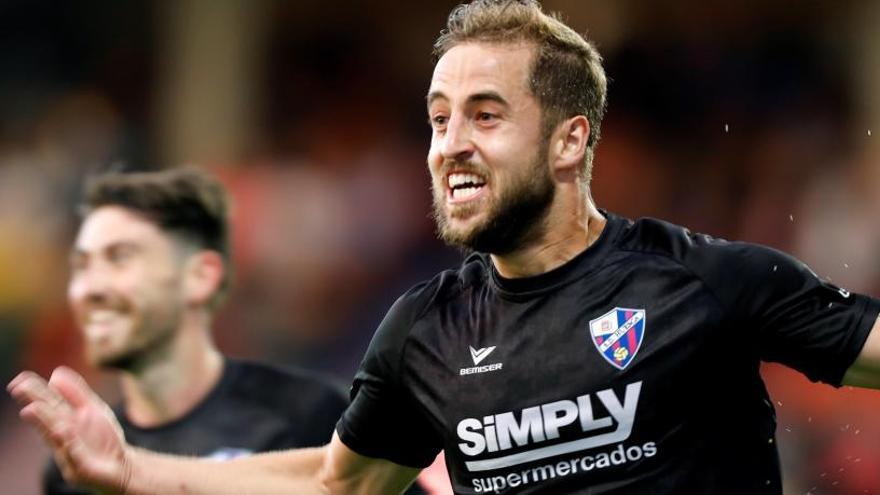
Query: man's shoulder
point(653, 235)
point(444, 286)
point(658, 237)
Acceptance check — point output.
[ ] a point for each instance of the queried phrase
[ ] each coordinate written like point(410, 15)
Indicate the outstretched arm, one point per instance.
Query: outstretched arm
point(332, 469)
point(89, 447)
point(865, 371)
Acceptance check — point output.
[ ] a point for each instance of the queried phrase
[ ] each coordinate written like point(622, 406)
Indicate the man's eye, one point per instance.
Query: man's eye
point(119, 256)
point(439, 120)
point(485, 116)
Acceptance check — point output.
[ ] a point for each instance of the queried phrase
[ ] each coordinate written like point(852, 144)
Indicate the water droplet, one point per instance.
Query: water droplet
point(727, 129)
point(768, 482)
point(779, 402)
point(770, 441)
point(775, 267)
point(822, 475)
point(791, 218)
point(845, 265)
point(788, 429)
point(857, 431)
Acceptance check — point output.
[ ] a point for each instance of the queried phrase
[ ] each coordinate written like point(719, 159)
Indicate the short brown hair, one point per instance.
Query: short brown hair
point(566, 75)
point(184, 202)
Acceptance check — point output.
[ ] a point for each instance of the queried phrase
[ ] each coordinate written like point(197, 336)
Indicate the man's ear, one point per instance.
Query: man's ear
point(204, 271)
point(569, 143)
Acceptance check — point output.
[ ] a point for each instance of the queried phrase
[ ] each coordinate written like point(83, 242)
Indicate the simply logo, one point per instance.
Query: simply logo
point(480, 354)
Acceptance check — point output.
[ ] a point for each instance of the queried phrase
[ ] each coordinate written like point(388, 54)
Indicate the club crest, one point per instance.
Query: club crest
point(618, 335)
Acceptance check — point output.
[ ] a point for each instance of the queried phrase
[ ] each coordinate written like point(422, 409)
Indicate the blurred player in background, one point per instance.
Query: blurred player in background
point(576, 351)
point(150, 266)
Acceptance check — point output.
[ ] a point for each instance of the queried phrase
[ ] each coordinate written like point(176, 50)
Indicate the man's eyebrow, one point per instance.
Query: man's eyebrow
point(487, 96)
point(474, 98)
point(434, 96)
point(78, 252)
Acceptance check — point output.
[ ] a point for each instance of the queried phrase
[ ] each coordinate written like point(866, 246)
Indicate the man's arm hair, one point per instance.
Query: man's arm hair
point(865, 371)
point(332, 469)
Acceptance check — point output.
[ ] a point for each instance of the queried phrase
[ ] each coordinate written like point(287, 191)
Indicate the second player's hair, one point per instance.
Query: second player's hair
point(183, 202)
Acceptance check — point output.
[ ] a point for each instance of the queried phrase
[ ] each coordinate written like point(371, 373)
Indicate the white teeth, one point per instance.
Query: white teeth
point(464, 192)
point(101, 316)
point(458, 179)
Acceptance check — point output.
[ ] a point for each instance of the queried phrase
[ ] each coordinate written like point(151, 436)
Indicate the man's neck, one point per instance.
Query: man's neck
point(565, 236)
point(172, 386)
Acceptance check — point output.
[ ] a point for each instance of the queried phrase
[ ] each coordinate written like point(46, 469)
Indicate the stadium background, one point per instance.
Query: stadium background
point(746, 120)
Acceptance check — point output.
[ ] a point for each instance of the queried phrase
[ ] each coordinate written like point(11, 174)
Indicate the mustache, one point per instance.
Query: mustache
point(465, 166)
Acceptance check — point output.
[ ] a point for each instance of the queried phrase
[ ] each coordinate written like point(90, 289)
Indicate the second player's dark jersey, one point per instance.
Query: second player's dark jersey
point(631, 369)
point(254, 408)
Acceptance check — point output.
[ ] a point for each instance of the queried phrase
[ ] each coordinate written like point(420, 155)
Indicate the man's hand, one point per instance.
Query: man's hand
point(85, 437)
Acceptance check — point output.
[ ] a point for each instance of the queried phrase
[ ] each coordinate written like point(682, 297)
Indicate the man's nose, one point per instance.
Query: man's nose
point(90, 285)
point(457, 143)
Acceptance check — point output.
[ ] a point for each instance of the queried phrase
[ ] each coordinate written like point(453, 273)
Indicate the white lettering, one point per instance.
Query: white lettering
point(619, 456)
point(468, 430)
point(499, 483)
point(537, 424)
point(480, 369)
point(491, 439)
point(513, 480)
point(553, 420)
point(624, 414)
point(633, 453)
point(585, 409)
point(544, 471)
point(587, 463)
point(562, 468)
point(508, 428)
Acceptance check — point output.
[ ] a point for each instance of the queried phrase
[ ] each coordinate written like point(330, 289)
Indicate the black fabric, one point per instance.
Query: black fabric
point(683, 410)
point(254, 408)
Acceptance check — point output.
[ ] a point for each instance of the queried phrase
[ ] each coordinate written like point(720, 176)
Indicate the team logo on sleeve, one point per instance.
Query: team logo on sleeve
point(618, 335)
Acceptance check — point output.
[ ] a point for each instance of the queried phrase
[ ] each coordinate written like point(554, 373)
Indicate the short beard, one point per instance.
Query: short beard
point(144, 354)
point(514, 221)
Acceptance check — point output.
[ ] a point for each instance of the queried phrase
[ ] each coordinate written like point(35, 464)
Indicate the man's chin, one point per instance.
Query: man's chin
point(459, 233)
point(111, 361)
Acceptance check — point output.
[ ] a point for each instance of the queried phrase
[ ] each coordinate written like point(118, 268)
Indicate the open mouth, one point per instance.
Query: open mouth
point(464, 186)
point(99, 324)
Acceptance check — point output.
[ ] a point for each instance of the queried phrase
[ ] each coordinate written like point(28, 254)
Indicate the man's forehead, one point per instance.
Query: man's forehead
point(477, 67)
point(108, 225)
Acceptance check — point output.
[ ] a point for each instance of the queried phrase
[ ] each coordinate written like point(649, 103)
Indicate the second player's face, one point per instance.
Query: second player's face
point(125, 287)
point(488, 158)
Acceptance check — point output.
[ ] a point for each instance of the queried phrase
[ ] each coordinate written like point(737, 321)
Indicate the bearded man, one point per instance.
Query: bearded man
point(575, 352)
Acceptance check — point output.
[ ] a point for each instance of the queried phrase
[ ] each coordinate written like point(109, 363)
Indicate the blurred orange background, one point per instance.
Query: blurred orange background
point(748, 120)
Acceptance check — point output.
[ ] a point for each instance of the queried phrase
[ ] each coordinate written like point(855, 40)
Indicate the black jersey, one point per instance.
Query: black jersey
point(631, 369)
point(254, 408)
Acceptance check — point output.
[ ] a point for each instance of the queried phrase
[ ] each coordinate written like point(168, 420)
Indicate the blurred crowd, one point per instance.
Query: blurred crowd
point(745, 120)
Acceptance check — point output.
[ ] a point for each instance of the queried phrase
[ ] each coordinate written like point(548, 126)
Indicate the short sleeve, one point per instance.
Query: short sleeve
point(384, 420)
point(787, 312)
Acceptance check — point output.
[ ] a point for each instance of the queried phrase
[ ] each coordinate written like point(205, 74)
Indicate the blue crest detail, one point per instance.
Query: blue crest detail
point(618, 335)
